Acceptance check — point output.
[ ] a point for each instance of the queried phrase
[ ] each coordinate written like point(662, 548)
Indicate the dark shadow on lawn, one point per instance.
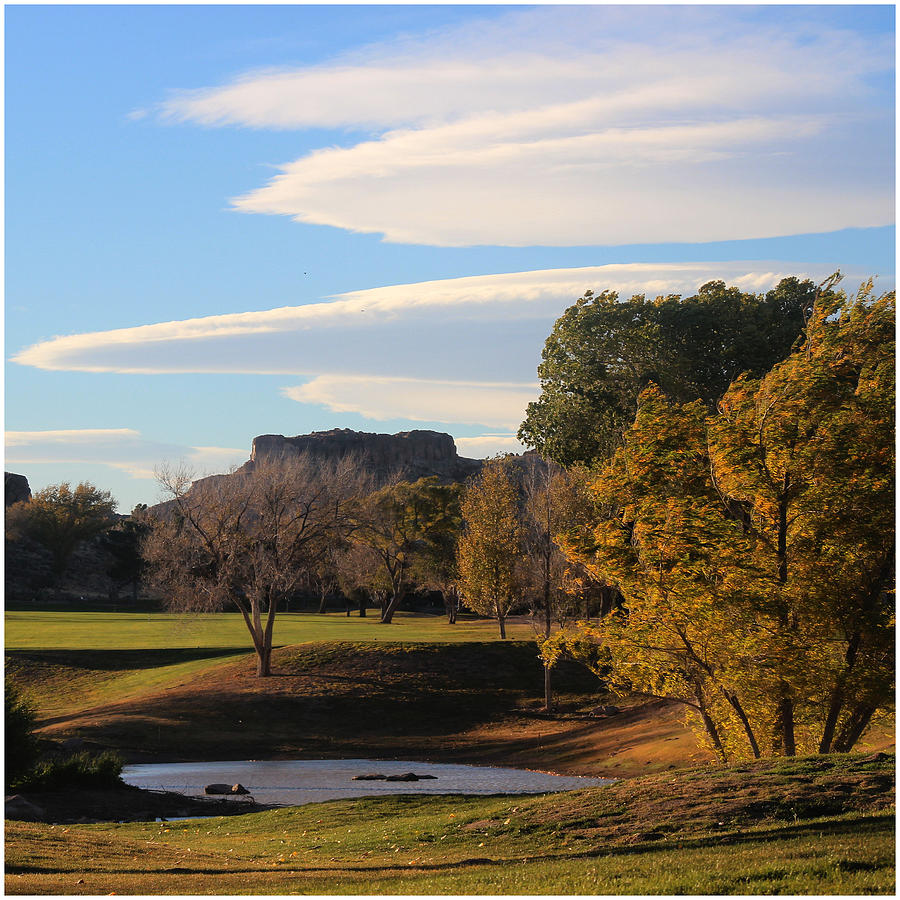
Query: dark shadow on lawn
point(119, 660)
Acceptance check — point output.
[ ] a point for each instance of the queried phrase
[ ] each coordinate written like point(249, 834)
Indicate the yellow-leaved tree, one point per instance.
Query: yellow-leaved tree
point(807, 454)
point(754, 548)
point(490, 546)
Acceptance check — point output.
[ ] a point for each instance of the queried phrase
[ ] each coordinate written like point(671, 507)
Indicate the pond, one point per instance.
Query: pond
point(293, 782)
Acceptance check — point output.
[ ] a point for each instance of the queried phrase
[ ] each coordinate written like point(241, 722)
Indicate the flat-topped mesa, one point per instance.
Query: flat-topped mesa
point(410, 454)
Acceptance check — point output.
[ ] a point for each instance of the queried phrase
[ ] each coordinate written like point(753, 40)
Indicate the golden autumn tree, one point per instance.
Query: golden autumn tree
point(807, 454)
point(755, 548)
point(490, 546)
point(669, 545)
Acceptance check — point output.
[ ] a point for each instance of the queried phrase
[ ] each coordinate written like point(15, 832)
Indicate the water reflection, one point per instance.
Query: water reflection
point(292, 782)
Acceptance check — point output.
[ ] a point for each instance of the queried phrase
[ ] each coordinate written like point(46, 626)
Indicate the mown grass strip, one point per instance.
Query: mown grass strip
point(50, 630)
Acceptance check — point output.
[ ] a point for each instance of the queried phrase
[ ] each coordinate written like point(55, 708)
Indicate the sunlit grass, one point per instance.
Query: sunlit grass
point(57, 685)
point(447, 845)
point(51, 630)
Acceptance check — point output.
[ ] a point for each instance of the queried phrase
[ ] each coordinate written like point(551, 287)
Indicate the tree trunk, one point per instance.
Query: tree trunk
point(502, 621)
point(710, 726)
point(784, 716)
point(388, 612)
point(854, 727)
point(548, 688)
point(263, 661)
point(837, 695)
point(739, 710)
point(783, 726)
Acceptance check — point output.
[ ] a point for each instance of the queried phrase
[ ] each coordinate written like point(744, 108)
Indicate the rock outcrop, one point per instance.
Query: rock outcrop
point(409, 454)
point(17, 488)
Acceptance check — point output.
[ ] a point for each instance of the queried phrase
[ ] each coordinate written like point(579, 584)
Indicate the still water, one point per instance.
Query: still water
point(292, 782)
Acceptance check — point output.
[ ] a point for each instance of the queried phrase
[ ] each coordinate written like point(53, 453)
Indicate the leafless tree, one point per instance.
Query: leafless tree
point(247, 539)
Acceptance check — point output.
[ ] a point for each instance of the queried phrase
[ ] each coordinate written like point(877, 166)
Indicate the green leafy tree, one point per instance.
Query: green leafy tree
point(603, 352)
point(490, 548)
point(401, 523)
point(61, 518)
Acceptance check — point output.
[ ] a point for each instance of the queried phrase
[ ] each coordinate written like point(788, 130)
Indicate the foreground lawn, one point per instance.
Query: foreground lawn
point(54, 630)
point(813, 826)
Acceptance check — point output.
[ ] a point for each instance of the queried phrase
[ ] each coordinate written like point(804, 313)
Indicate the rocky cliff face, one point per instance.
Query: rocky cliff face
point(409, 454)
point(17, 488)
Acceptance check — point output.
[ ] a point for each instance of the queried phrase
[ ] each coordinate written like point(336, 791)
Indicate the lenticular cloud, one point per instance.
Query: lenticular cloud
point(580, 126)
point(489, 327)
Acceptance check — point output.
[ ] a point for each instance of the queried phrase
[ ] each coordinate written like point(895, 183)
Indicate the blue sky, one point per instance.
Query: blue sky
point(230, 221)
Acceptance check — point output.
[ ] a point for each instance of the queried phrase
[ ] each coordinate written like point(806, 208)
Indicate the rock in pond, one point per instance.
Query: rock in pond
point(225, 789)
point(408, 776)
point(17, 807)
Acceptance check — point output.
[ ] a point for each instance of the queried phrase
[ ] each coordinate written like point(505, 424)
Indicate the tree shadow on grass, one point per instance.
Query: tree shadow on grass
point(118, 660)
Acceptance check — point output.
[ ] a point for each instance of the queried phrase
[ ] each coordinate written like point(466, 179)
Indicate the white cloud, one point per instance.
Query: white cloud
point(121, 448)
point(422, 400)
point(484, 445)
point(488, 327)
point(582, 126)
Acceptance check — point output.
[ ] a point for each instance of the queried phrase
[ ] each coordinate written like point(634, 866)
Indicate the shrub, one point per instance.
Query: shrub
point(80, 770)
point(20, 744)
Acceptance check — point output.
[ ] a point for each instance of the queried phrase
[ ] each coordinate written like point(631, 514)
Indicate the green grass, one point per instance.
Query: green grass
point(60, 682)
point(720, 832)
point(52, 630)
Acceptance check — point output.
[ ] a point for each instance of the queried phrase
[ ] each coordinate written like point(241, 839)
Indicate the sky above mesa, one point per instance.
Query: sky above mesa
point(225, 221)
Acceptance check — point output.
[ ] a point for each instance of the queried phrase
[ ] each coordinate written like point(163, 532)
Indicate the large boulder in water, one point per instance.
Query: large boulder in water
point(218, 789)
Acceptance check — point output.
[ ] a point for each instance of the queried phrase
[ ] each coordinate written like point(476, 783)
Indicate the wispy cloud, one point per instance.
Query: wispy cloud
point(121, 448)
point(489, 327)
point(375, 352)
point(584, 125)
point(424, 400)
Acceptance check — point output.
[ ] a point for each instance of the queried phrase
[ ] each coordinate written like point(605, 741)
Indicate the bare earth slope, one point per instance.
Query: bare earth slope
point(478, 703)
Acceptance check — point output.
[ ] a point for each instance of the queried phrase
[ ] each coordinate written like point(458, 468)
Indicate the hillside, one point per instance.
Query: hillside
point(472, 702)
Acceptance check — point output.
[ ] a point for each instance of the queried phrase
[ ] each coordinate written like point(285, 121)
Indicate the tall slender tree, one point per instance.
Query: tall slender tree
point(490, 547)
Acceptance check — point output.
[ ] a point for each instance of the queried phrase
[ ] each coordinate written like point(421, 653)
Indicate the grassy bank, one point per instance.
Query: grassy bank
point(474, 702)
point(805, 826)
point(465, 702)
